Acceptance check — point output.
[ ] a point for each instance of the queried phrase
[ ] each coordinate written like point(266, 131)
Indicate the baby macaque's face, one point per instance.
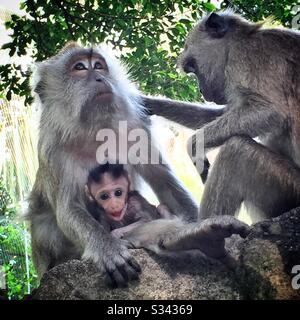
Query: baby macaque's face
point(111, 195)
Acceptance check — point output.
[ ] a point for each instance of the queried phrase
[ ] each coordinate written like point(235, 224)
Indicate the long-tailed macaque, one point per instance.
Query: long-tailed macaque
point(255, 73)
point(85, 94)
point(118, 208)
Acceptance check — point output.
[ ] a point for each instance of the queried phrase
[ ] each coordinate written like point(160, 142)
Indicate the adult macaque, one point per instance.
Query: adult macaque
point(114, 205)
point(255, 72)
point(83, 91)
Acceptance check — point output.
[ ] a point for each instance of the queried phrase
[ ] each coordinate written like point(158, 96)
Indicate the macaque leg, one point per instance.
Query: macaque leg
point(40, 258)
point(49, 245)
point(208, 236)
point(169, 235)
point(247, 171)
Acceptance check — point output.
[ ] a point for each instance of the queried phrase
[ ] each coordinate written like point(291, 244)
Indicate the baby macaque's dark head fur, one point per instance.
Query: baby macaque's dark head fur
point(115, 170)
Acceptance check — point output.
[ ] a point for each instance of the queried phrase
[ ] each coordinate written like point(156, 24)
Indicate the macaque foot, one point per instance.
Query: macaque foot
point(208, 236)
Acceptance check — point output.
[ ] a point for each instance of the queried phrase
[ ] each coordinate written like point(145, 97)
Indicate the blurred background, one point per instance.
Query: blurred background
point(148, 36)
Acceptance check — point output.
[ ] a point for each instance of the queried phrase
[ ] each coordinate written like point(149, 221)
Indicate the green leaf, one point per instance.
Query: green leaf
point(209, 6)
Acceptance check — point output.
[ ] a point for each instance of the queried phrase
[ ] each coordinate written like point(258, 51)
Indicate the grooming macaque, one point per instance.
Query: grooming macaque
point(82, 91)
point(114, 205)
point(255, 72)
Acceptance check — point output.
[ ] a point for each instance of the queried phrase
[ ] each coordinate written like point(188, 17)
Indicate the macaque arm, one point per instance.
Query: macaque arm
point(78, 225)
point(120, 232)
point(190, 115)
point(108, 253)
point(252, 118)
point(169, 190)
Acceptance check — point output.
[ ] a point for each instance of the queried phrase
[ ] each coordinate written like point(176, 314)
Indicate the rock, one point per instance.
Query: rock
point(265, 259)
point(268, 255)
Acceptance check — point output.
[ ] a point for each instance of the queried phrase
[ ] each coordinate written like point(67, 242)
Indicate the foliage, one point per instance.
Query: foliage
point(258, 10)
point(12, 259)
point(12, 250)
point(143, 31)
point(149, 34)
point(5, 200)
point(18, 140)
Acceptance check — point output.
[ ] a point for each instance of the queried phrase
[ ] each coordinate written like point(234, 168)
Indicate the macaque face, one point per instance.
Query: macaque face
point(91, 70)
point(111, 195)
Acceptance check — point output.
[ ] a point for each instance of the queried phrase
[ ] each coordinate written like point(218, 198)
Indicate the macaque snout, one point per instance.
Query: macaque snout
point(103, 91)
point(115, 205)
point(115, 209)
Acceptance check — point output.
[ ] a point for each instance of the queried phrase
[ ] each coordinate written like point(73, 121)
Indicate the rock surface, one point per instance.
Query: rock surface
point(265, 260)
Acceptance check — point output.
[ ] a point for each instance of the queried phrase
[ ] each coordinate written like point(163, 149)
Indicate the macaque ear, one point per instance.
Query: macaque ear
point(40, 90)
point(88, 194)
point(68, 46)
point(216, 25)
point(129, 185)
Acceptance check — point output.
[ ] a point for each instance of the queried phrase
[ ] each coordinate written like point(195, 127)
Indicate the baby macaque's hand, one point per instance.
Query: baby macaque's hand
point(164, 212)
point(134, 204)
point(118, 233)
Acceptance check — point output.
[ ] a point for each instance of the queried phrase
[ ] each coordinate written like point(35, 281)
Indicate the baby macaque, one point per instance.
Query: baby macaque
point(114, 205)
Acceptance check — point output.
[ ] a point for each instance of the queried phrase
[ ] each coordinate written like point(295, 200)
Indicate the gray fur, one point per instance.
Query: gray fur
point(255, 71)
point(169, 236)
point(61, 226)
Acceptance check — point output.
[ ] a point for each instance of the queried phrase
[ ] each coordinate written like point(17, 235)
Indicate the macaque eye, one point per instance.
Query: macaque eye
point(104, 196)
point(79, 66)
point(118, 193)
point(98, 65)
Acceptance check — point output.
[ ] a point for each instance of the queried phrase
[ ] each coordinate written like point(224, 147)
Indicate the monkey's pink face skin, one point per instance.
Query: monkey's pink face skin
point(111, 195)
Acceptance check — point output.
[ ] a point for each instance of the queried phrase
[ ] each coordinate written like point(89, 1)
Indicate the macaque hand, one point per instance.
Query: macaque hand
point(164, 212)
point(198, 158)
point(118, 233)
point(115, 262)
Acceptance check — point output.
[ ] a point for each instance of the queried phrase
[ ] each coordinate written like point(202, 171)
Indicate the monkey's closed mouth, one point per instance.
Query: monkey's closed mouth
point(101, 95)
